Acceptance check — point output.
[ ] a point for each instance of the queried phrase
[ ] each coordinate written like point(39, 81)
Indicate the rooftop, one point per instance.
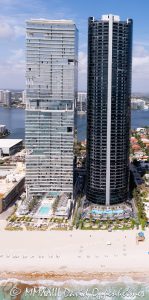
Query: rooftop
point(133, 139)
point(10, 176)
point(106, 18)
point(145, 141)
point(136, 147)
point(9, 142)
point(46, 21)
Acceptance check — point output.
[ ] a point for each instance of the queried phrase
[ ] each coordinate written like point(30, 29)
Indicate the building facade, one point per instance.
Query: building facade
point(1, 97)
point(51, 93)
point(108, 109)
point(5, 97)
point(24, 97)
point(82, 102)
point(138, 104)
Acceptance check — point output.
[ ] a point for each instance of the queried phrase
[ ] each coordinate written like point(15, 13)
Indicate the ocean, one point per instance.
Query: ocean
point(120, 289)
point(14, 119)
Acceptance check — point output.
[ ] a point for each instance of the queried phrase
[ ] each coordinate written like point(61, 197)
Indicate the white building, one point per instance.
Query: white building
point(12, 180)
point(137, 103)
point(1, 96)
point(141, 130)
point(24, 97)
point(82, 102)
point(146, 179)
point(2, 129)
point(5, 97)
point(10, 146)
point(51, 94)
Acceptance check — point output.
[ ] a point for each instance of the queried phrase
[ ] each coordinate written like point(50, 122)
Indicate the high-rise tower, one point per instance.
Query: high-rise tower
point(51, 93)
point(108, 109)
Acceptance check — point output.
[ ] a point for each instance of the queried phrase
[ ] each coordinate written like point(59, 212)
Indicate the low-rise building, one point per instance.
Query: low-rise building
point(2, 129)
point(137, 103)
point(10, 146)
point(141, 130)
point(145, 141)
point(64, 206)
point(133, 140)
point(136, 147)
point(146, 179)
point(146, 206)
point(12, 182)
point(138, 154)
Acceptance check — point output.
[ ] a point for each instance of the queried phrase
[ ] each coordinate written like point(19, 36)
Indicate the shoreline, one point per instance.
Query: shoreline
point(80, 276)
point(72, 284)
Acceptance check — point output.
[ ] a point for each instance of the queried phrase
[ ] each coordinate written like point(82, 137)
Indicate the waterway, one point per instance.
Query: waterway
point(14, 119)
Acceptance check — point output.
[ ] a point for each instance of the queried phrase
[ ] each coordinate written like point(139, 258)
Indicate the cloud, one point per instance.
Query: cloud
point(19, 31)
point(5, 30)
point(82, 78)
point(12, 70)
point(139, 51)
point(10, 29)
point(140, 64)
point(82, 62)
point(140, 68)
point(15, 60)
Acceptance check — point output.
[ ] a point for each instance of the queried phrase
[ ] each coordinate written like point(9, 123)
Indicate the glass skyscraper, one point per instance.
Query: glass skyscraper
point(51, 93)
point(108, 109)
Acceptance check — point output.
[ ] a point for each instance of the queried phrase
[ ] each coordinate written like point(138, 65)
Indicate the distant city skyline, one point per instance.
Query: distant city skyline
point(12, 32)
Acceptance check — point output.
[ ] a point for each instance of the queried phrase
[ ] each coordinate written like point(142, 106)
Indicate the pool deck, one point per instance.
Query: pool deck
point(108, 212)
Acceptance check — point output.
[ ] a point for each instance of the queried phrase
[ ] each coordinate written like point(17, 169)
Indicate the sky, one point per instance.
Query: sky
point(14, 13)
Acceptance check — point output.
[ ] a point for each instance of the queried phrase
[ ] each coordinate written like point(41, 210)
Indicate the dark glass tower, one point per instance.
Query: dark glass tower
point(108, 109)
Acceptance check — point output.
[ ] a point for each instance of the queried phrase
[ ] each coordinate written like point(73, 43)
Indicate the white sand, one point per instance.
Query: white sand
point(73, 252)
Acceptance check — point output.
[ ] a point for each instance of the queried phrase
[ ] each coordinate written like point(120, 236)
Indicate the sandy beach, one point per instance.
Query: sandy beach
point(72, 254)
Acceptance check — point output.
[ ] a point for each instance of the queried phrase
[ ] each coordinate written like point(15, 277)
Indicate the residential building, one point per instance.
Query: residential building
point(146, 180)
point(1, 97)
point(12, 181)
point(108, 109)
point(10, 146)
point(138, 104)
point(82, 102)
point(141, 130)
point(2, 129)
point(5, 97)
point(51, 94)
point(24, 97)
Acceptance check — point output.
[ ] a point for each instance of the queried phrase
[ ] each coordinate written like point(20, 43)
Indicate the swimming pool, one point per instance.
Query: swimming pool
point(53, 194)
point(44, 210)
point(108, 212)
